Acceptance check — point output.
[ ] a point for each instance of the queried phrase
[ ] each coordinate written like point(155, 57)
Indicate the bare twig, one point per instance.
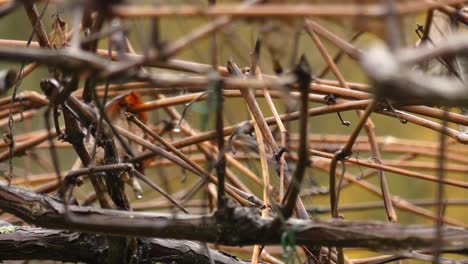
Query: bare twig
point(303, 73)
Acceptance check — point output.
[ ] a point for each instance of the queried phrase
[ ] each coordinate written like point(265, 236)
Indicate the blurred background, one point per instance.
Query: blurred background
point(236, 42)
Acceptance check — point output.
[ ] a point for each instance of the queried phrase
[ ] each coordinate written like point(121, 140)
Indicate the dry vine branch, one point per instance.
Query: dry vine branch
point(48, 212)
point(138, 110)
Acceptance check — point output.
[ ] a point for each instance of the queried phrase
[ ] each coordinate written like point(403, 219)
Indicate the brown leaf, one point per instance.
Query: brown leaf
point(58, 35)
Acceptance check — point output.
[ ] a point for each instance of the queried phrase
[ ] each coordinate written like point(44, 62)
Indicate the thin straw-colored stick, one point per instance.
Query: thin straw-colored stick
point(279, 10)
point(282, 128)
point(265, 176)
point(368, 126)
point(403, 172)
point(398, 202)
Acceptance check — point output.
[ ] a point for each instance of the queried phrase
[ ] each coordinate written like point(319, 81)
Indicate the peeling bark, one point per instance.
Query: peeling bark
point(28, 243)
point(238, 226)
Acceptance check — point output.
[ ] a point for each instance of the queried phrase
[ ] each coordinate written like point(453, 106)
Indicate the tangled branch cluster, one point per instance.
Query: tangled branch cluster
point(160, 170)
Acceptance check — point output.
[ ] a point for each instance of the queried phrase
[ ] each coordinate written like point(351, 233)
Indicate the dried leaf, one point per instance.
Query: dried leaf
point(58, 35)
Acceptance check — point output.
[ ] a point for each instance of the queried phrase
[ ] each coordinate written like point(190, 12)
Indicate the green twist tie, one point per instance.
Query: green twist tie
point(288, 243)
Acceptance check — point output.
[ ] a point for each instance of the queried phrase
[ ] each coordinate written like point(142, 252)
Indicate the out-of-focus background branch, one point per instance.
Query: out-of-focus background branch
point(127, 124)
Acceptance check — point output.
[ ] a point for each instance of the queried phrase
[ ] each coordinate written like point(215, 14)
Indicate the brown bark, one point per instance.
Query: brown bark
point(28, 243)
point(238, 226)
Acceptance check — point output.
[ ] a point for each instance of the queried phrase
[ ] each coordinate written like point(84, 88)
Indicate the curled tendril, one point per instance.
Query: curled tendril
point(392, 109)
point(184, 112)
point(330, 99)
